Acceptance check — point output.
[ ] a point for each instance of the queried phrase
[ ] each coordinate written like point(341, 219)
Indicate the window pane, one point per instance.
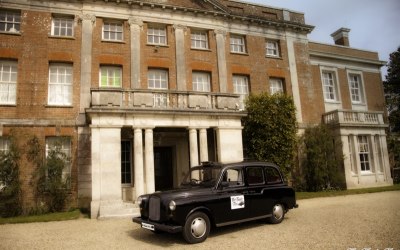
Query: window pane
point(276, 86)
point(110, 76)
point(62, 26)
point(157, 79)
point(201, 81)
point(60, 84)
point(112, 31)
point(156, 35)
point(329, 86)
point(8, 82)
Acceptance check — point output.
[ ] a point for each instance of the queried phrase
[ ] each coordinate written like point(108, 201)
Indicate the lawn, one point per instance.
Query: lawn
point(71, 215)
point(310, 195)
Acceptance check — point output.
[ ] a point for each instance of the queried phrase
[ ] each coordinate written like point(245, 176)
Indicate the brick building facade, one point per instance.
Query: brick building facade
point(143, 90)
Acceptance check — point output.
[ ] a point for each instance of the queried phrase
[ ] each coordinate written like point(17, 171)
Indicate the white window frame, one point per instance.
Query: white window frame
point(330, 86)
point(62, 26)
point(60, 91)
point(199, 39)
point(65, 143)
point(276, 85)
point(4, 144)
point(272, 48)
point(241, 87)
point(157, 34)
point(110, 77)
point(157, 79)
point(10, 21)
point(237, 43)
point(201, 81)
point(8, 82)
point(364, 153)
point(113, 31)
point(357, 95)
point(126, 160)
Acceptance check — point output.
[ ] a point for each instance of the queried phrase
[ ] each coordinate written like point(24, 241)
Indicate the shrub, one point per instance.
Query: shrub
point(52, 187)
point(322, 161)
point(10, 187)
point(270, 129)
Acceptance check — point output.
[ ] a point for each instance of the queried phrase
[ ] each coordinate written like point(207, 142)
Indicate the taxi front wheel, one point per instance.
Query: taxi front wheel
point(197, 228)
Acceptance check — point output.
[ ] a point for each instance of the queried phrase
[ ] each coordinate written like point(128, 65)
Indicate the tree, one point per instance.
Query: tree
point(270, 129)
point(10, 187)
point(322, 161)
point(392, 95)
point(392, 91)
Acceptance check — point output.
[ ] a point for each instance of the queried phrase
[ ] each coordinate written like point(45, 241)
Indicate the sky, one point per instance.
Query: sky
point(374, 24)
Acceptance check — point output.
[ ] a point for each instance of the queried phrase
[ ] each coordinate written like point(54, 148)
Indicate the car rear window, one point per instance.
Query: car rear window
point(255, 175)
point(272, 176)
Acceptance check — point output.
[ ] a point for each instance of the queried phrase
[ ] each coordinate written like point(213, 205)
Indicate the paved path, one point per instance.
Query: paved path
point(348, 222)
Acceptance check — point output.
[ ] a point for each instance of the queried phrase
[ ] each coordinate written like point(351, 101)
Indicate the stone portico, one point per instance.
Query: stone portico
point(194, 134)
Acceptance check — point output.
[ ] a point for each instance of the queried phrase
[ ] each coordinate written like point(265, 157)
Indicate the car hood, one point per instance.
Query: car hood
point(181, 193)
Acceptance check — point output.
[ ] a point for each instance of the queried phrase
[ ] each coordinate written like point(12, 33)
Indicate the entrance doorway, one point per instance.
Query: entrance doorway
point(163, 169)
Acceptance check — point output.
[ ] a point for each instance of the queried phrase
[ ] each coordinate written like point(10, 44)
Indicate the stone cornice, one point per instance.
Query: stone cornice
point(219, 11)
point(345, 58)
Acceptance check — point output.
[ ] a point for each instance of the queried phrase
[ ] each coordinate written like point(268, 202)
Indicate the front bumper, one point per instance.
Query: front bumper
point(157, 226)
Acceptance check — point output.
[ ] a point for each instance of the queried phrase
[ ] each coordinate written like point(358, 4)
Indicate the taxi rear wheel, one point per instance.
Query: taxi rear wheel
point(197, 228)
point(278, 214)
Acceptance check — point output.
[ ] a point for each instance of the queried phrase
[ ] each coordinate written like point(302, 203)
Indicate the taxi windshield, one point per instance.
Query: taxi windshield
point(206, 176)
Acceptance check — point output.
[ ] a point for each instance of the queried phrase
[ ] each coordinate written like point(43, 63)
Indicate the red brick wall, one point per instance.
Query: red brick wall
point(33, 67)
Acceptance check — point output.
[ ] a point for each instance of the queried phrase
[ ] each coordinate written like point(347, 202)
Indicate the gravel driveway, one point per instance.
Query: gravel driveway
point(348, 222)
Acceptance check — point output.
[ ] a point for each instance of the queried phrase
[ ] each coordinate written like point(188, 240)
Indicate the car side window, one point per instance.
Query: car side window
point(255, 175)
point(233, 177)
point(272, 176)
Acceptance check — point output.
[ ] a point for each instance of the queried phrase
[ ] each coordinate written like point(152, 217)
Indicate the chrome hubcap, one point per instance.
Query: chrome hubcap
point(198, 227)
point(278, 212)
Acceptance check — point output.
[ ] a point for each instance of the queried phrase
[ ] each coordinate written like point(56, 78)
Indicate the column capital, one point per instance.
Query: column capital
point(135, 21)
point(86, 17)
point(179, 26)
point(220, 32)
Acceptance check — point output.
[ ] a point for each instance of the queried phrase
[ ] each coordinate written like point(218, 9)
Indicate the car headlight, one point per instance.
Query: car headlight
point(139, 200)
point(172, 205)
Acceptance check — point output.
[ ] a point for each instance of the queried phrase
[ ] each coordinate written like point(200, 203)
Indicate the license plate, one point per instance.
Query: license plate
point(148, 226)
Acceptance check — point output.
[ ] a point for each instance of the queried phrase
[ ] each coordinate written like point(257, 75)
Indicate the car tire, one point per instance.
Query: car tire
point(278, 214)
point(197, 228)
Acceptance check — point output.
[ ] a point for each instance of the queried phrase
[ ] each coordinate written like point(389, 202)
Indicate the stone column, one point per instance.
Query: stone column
point(220, 36)
point(86, 63)
point(203, 145)
point(229, 144)
point(385, 160)
point(347, 160)
point(95, 173)
point(374, 160)
point(194, 153)
point(180, 57)
point(138, 154)
point(106, 167)
point(357, 157)
point(149, 160)
point(136, 26)
point(293, 75)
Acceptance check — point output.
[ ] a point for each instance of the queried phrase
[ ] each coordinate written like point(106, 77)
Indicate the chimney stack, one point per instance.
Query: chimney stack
point(341, 37)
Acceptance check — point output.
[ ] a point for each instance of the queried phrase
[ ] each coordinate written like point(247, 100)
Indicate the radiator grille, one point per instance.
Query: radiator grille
point(154, 210)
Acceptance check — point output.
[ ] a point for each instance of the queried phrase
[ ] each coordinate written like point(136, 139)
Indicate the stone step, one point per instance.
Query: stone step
point(118, 209)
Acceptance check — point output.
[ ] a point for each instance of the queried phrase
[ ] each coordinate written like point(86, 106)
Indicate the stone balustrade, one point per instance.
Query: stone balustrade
point(353, 117)
point(163, 99)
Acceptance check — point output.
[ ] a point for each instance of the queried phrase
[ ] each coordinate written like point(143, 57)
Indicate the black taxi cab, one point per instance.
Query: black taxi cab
point(215, 194)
